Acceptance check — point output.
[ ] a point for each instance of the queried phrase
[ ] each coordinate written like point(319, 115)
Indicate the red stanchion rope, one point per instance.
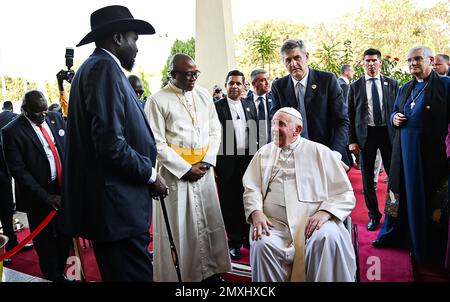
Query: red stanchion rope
point(30, 237)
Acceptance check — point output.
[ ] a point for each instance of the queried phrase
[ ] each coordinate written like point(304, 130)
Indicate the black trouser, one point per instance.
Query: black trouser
point(232, 205)
point(377, 138)
point(126, 260)
point(7, 210)
point(51, 246)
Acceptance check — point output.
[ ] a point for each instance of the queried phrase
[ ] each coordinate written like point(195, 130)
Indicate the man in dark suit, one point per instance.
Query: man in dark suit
point(109, 175)
point(441, 66)
point(136, 83)
point(33, 145)
point(262, 98)
point(347, 73)
point(316, 95)
point(6, 200)
point(370, 102)
point(239, 143)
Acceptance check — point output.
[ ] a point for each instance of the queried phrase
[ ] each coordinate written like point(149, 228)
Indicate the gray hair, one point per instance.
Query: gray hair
point(345, 67)
point(256, 72)
point(427, 52)
point(292, 44)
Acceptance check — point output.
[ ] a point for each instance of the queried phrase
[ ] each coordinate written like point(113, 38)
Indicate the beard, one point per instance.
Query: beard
point(128, 64)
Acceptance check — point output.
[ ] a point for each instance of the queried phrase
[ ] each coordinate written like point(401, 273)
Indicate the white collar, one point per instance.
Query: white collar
point(255, 96)
point(303, 81)
point(233, 102)
point(175, 88)
point(293, 145)
point(368, 77)
point(347, 81)
point(113, 56)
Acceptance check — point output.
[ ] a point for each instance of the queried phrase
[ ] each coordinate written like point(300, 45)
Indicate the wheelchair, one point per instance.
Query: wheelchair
point(353, 231)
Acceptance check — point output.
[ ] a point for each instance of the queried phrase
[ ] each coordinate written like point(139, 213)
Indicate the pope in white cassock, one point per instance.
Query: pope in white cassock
point(187, 133)
point(296, 196)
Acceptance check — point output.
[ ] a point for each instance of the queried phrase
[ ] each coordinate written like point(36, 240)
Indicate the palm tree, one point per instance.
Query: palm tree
point(264, 47)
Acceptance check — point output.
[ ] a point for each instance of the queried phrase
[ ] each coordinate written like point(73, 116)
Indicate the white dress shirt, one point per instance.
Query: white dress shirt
point(303, 83)
point(47, 149)
point(255, 99)
point(240, 125)
point(369, 99)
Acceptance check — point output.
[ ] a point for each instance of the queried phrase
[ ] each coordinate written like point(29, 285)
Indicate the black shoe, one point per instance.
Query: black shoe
point(235, 253)
point(7, 261)
point(216, 278)
point(379, 243)
point(373, 224)
point(27, 247)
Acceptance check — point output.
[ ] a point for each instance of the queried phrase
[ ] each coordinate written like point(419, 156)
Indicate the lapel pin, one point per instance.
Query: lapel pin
point(248, 109)
point(52, 121)
point(428, 107)
point(269, 100)
point(313, 86)
point(385, 83)
point(61, 132)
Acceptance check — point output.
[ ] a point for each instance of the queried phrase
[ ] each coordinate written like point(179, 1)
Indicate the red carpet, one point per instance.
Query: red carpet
point(394, 264)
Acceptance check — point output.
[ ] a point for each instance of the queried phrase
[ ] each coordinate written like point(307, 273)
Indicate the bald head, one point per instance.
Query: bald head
point(178, 60)
point(34, 106)
point(136, 83)
point(183, 71)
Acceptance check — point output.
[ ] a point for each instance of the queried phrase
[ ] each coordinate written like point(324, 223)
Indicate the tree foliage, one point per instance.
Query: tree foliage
point(264, 46)
point(145, 81)
point(179, 46)
point(269, 35)
point(393, 27)
point(15, 88)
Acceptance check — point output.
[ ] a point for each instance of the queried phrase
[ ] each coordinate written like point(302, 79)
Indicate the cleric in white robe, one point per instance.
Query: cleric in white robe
point(296, 197)
point(187, 133)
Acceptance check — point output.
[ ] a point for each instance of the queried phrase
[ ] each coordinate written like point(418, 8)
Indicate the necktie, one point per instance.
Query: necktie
point(377, 119)
point(55, 153)
point(302, 109)
point(262, 123)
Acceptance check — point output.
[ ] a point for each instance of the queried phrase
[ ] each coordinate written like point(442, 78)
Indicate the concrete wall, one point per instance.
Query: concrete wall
point(214, 42)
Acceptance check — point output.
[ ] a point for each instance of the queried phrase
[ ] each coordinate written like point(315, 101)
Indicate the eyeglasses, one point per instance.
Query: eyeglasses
point(189, 74)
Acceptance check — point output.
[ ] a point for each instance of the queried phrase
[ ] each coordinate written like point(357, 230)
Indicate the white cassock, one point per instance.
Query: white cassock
point(187, 130)
point(297, 182)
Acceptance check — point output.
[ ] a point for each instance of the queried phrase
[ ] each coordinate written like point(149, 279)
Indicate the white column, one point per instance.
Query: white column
point(214, 42)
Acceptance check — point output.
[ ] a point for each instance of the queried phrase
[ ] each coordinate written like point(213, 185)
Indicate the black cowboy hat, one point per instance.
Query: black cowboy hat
point(112, 18)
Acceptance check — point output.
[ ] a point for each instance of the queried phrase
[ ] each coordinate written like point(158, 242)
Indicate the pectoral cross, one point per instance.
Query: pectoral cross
point(412, 105)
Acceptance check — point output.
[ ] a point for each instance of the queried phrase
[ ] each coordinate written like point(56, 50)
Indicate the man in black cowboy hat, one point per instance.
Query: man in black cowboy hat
point(109, 175)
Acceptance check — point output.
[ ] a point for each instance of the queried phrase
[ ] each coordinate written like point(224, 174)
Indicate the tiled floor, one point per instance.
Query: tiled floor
point(10, 275)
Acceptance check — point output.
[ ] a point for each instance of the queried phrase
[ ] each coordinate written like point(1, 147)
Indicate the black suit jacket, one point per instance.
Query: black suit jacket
point(226, 162)
point(325, 108)
point(344, 86)
point(109, 156)
point(5, 118)
point(358, 108)
point(28, 162)
point(268, 106)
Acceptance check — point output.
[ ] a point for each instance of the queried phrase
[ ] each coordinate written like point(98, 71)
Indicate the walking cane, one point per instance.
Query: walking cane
point(79, 255)
point(173, 249)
